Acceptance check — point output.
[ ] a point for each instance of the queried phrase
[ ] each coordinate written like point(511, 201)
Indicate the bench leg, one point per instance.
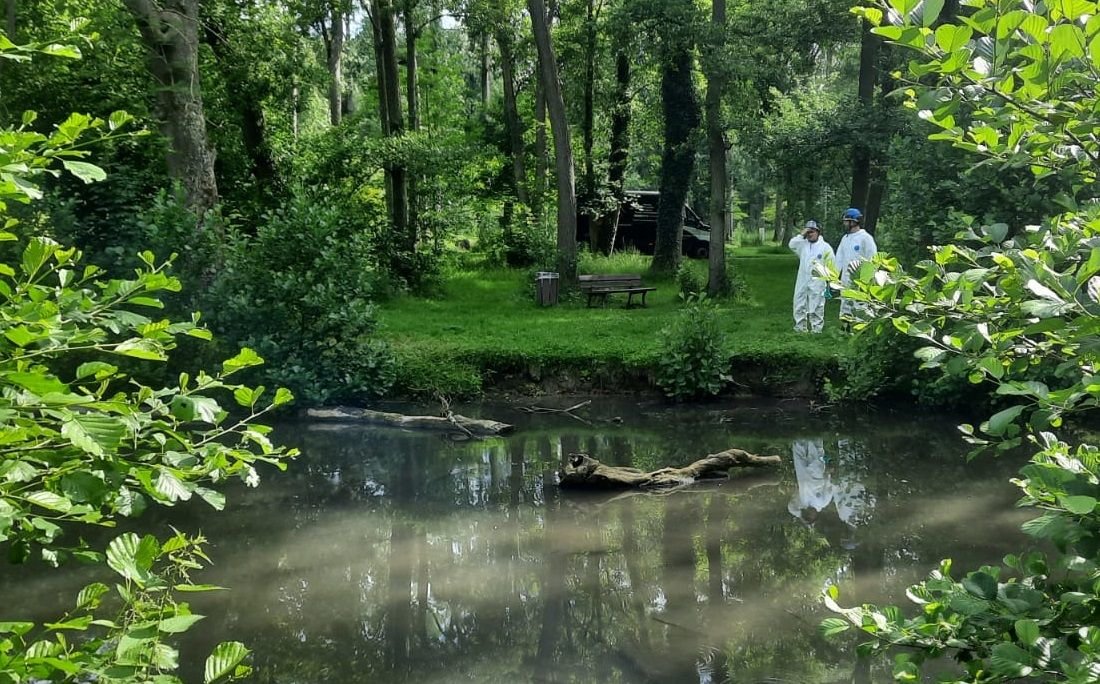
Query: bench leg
point(643, 299)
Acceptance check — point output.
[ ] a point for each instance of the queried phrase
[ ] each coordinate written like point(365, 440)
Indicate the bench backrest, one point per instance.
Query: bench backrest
point(592, 282)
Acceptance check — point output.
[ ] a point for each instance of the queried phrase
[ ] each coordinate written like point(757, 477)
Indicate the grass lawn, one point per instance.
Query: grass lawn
point(486, 323)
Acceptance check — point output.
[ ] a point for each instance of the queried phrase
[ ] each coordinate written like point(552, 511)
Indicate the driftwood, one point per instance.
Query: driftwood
point(472, 427)
point(567, 411)
point(583, 471)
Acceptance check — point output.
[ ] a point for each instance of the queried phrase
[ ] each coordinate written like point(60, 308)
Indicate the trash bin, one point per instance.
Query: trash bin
point(546, 288)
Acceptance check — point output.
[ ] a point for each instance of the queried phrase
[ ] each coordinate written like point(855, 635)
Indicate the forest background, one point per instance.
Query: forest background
point(317, 162)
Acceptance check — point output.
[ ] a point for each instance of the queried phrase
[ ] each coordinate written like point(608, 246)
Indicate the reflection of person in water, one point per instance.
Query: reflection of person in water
point(818, 487)
point(814, 488)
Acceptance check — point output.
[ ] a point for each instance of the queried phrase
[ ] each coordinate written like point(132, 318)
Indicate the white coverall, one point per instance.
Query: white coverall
point(809, 290)
point(854, 248)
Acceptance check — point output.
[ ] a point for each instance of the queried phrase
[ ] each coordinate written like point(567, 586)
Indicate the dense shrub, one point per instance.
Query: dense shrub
point(883, 366)
point(299, 291)
point(690, 280)
point(693, 362)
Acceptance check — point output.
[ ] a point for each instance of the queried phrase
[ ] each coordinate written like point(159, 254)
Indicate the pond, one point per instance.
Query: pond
point(389, 556)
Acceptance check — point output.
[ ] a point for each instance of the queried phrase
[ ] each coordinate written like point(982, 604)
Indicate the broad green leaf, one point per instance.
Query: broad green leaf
point(981, 585)
point(951, 38)
point(89, 173)
point(178, 624)
point(1009, 660)
point(16, 628)
point(38, 383)
point(57, 50)
point(128, 556)
point(283, 396)
point(141, 349)
point(20, 336)
point(215, 499)
point(171, 487)
point(246, 358)
point(832, 626)
point(1078, 505)
point(1027, 631)
point(1067, 39)
point(999, 422)
point(89, 596)
point(99, 369)
point(37, 254)
point(223, 661)
point(49, 500)
point(930, 11)
point(95, 433)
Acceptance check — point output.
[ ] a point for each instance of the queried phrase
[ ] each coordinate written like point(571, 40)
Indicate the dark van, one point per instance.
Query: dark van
point(638, 226)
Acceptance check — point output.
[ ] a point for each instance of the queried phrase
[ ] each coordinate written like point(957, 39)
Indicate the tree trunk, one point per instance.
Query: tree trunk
point(511, 113)
point(681, 111)
point(620, 126)
point(383, 109)
point(169, 30)
point(486, 82)
point(780, 213)
point(412, 97)
point(588, 123)
point(584, 471)
point(542, 160)
point(335, 62)
point(563, 149)
point(868, 77)
point(9, 19)
point(395, 123)
point(716, 143)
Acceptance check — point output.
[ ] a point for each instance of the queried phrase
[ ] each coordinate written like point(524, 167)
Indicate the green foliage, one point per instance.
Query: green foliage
point(881, 366)
point(1019, 310)
point(690, 280)
point(86, 442)
point(127, 646)
point(693, 361)
point(300, 292)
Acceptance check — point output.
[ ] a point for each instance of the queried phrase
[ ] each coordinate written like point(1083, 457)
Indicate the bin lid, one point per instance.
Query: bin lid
point(546, 274)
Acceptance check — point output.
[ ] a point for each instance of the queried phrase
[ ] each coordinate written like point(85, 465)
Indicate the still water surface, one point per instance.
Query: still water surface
point(389, 556)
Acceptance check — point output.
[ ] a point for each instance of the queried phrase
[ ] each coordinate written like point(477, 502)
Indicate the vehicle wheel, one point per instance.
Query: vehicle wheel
point(702, 252)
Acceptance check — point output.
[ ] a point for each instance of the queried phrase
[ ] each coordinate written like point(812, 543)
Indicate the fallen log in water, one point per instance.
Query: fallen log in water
point(452, 422)
point(585, 472)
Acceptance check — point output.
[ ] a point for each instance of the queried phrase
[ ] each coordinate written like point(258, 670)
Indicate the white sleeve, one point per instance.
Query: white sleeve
point(796, 243)
point(870, 249)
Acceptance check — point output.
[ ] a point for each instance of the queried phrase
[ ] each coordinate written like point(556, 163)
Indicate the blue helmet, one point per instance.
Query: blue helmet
point(853, 214)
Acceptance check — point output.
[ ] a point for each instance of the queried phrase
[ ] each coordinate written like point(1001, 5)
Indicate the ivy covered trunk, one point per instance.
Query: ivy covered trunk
point(681, 110)
point(170, 31)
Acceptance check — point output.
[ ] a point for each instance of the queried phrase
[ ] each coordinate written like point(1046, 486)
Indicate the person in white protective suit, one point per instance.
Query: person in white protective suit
point(809, 289)
point(856, 246)
point(815, 491)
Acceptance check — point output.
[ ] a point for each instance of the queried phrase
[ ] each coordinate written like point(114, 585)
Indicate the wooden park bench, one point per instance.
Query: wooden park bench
point(600, 286)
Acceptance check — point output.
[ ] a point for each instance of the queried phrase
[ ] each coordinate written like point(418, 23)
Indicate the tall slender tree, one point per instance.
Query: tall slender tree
point(563, 148)
point(716, 147)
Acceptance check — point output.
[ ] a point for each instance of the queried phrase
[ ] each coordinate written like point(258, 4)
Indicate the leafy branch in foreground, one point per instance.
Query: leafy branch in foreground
point(1015, 82)
point(84, 441)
